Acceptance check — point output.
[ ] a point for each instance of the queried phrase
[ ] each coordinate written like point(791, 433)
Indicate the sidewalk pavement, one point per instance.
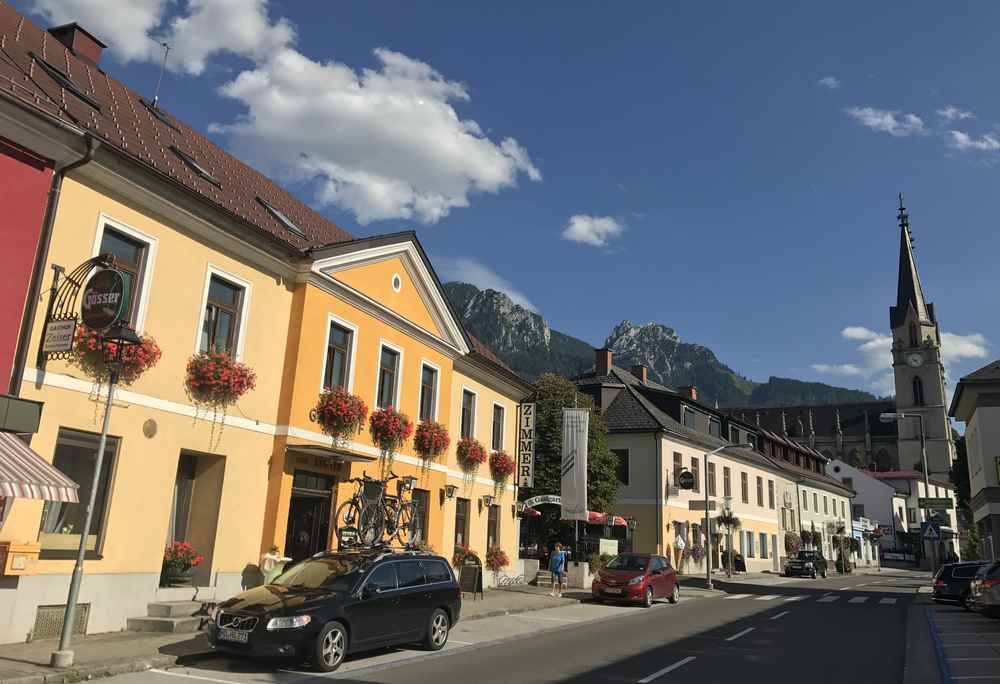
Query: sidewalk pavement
point(104, 655)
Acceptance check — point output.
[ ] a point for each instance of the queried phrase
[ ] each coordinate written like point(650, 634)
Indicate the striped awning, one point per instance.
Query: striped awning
point(25, 474)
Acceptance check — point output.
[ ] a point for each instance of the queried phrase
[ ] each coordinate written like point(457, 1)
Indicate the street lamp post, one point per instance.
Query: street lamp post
point(896, 417)
point(119, 337)
point(708, 522)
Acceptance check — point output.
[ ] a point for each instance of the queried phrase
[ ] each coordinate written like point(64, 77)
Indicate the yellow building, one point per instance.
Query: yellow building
point(217, 257)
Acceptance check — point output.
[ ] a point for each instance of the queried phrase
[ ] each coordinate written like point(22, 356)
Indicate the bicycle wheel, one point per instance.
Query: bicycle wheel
point(371, 524)
point(348, 515)
point(406, 526)
point(391, 507)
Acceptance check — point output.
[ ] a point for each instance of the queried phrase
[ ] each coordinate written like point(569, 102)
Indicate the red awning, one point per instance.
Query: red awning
point(595, 518)
point(25, 474)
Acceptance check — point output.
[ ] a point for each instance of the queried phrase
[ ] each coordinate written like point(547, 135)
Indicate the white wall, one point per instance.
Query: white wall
point(982, 440)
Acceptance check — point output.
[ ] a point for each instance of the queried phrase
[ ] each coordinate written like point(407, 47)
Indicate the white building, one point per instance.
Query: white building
point(873, 500)
point(909, 485)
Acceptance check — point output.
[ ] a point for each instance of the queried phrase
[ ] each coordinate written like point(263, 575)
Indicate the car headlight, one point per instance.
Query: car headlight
point(635, 580)
point(288, 622)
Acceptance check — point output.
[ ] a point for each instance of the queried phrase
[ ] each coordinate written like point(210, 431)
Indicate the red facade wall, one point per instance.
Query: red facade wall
point(24, 186)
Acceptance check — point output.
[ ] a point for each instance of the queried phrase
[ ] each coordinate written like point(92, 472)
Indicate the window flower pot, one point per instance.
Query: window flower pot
point(470, 454)
point(430, 440)
point(389, 430)
point(89, 356)
point(501, 467)
point(340, 414)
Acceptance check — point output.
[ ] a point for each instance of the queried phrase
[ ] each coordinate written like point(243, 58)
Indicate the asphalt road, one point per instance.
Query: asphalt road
point(843, 629)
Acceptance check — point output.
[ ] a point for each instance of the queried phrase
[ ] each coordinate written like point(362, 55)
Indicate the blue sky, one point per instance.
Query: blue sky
point(727, 170)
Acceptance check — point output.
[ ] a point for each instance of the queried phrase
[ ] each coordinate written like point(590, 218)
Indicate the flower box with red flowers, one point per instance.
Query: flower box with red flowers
point(430, 440)
point(496, 559)
point(217, 379)
point(90, 354)
point(501, 466)
point(461, 553)
point(471, 454)
point(340, 414)
point(179, 561)
point(389, 429)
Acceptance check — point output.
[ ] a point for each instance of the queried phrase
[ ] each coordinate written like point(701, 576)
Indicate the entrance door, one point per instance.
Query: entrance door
point(308, 530)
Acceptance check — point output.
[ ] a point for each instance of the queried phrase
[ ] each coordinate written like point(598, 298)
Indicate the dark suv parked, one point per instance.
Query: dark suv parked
point(951, 583)
point(806, 563)
point(338, 603)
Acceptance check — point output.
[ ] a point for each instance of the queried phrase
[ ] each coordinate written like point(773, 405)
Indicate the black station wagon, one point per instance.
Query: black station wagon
point(338, 603)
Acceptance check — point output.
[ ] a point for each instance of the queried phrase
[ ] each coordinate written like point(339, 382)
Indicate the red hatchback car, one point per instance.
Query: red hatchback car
point(637, 578)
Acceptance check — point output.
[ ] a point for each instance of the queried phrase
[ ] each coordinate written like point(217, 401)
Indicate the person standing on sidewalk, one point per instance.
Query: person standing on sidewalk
point(557, 567)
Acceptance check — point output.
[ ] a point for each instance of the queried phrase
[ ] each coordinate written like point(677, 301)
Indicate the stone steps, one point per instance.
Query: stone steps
point(172, 617)
point(173, 608)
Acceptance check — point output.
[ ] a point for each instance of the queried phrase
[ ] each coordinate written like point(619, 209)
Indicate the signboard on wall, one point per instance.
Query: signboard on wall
point(59, 335)
point(526, 445)
point(103, 300)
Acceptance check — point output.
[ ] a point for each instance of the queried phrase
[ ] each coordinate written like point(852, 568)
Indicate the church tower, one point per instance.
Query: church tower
point(916, 365)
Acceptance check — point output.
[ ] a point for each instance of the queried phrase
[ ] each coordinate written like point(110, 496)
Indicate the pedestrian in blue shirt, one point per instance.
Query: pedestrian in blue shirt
point(557, 566)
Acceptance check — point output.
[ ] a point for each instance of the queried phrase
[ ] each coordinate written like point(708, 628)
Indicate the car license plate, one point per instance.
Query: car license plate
point(233, 635)
point(612, 590)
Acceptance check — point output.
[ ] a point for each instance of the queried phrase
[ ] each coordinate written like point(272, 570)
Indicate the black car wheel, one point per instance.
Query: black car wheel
point(675, 595)
point(649, 597)
point(331, 646)
point(437, 630)
point(823, 575)
point(813, 574)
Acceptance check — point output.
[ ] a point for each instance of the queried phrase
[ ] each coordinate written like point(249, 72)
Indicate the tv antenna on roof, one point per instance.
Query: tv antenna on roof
point(163, 66)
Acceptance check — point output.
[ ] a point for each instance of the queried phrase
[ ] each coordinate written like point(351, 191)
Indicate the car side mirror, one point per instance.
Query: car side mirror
point(369, 591)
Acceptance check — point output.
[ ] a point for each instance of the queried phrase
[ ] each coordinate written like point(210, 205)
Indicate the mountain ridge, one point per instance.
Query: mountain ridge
point(524, 340)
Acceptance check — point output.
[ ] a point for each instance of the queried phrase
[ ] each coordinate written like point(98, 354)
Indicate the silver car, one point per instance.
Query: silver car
point(984, 591)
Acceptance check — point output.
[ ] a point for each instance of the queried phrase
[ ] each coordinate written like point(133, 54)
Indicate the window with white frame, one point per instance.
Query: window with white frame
point(220, 323)
point(468, 414)
point(388, 378)
point(498, 426)
point(130, 258)
point(428, 392)
point(338, 357)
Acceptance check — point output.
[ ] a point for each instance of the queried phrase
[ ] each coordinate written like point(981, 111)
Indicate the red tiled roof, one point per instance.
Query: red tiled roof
point(905, 475)
point(127, 124)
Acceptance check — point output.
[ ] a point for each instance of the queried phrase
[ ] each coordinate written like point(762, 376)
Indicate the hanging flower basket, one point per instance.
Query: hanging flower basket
point(501, 467)
point(88, 356)
point(340, 414)
point(471, 454)
point(217, 380)
point(389, 430)
point(496, 559)
point(697, 553)
point(430, 440)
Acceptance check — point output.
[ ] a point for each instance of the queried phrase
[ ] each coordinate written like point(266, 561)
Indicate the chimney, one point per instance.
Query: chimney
point(689, 391)
point(602, 361)
point(82, 42)
point(640, 372)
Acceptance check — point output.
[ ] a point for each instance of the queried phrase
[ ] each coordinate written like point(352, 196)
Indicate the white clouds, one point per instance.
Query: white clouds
point(857, 332)
point(592, 230)
point(964, 142)
point(382, 143)
point(953, 113)
point(123, 24)
point(830, 82)
point(895, 123)
point(959, 347)
point(471, 271)
point(845, 369)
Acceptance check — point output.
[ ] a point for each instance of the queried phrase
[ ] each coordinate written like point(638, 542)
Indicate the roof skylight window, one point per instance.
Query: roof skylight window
point(61, 78)
point(280, 217)
point(158, 114)
point(195, 166)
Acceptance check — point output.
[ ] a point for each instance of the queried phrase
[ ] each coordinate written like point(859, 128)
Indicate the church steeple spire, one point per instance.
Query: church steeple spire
point(908, 290)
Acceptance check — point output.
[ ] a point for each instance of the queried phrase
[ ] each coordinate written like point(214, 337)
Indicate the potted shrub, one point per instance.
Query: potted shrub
point(179, 561)
point(340, 414)
point(430, 440)
point(88, 356)
point(496, 560)
point(471, 455)
point(389, 430)
point(216, 380)
point(501, 468)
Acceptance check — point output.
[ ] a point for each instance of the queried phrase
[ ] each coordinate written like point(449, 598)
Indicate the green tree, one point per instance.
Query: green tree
point(960, 478)
point(973, 545)
point(553, 394)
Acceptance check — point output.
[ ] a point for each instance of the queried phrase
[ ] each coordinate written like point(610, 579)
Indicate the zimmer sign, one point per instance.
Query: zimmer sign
point(526, 446)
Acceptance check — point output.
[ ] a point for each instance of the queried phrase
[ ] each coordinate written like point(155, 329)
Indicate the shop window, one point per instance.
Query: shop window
point(468, 427)
point(338, 357)
point(621, 467)
point(130, 258)
point(62, 523)
point(760, 492)
point(221, 319)
point(770, 494)
point(696, 471)
point(744, 488)
point(388, 378)
point(421, 511)
point(493, 527)
point(498, 423)
point(711, 478)
point(727, 485)
point(461, 522)
point(428, 392)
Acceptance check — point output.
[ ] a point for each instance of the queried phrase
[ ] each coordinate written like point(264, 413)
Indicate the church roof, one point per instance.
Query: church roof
point(909, 292)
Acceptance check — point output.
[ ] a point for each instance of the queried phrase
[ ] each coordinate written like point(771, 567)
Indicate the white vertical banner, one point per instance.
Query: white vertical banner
point(574, 463)
point(526, 445)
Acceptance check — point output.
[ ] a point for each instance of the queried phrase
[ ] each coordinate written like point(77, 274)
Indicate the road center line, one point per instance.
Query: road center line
point(781, 614)
point(178, 674)
point(766, 597)
point(739, 634)
point(669, 668)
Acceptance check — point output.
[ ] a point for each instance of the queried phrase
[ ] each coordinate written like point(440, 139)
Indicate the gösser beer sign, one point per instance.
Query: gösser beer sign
point(103, 300)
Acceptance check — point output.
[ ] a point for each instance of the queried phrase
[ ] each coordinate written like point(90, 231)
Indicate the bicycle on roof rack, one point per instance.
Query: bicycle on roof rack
point(372, 514)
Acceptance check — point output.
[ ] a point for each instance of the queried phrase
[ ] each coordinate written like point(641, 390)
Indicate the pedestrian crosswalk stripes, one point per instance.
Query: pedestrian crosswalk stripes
point(826, 598)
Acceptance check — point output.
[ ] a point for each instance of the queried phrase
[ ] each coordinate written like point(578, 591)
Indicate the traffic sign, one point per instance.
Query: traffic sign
point(686, 479)
point(938, 504)
point(930, 531)
point(699, 505)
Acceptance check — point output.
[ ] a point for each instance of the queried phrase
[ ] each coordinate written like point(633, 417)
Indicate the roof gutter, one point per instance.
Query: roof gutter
point(41, 257)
